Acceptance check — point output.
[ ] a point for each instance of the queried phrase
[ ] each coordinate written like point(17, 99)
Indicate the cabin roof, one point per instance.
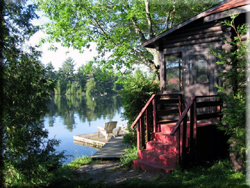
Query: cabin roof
point(211, 14)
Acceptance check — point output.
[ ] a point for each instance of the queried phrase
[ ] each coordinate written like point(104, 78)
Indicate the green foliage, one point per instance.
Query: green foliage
point(79, 162)
point(130, 155)
point(88, 79)
point(218, 175)
point(130, 138)
point(117, 27)
point(28, 154)
point(233, 91)
point(137, 90)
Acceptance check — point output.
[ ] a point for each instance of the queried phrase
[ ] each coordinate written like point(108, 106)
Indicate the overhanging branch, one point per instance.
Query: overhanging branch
point(137, 29)
point(148, 16)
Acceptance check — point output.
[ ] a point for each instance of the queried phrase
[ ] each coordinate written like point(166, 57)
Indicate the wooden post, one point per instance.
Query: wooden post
point(184, 137)
point(195, 130)
point(148, 124)
point(180, 105)
point(154, 116)
point(138, 137)
point(192, 132)
point(178, 152)
point(142, 125)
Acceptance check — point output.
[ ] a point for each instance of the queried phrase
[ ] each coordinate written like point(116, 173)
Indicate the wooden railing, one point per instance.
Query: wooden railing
point(180, 129)
point(146, 121)
point(146, 111)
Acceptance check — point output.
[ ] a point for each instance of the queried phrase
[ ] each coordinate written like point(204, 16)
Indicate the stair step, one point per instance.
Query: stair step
point(156, 157)
point(167, 127)
point(164, 137)
point(161, 147)
point(151, 167)
point(166, 121)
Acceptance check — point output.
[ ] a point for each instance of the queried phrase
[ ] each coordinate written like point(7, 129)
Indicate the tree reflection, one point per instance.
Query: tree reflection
point(88, 108)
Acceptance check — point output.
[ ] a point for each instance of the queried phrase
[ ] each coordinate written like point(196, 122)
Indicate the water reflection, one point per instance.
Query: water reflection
point(73, 115)
point(88, 109)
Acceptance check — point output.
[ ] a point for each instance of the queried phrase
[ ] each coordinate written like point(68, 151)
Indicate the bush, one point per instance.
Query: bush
point(137, 90)
point(233, 91)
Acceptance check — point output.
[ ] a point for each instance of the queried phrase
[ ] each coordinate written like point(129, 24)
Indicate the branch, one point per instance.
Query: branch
point(100, 27)
point(167, 20)
point(150, 28)
point(146, 61)
point(170, 17)
point(173, 14)
point(137, 29)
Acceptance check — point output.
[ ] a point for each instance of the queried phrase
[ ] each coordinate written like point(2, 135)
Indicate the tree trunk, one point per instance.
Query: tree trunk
point(155, 64)
point(236, 160)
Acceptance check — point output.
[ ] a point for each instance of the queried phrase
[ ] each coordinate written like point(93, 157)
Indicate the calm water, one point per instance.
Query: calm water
point(69, 116)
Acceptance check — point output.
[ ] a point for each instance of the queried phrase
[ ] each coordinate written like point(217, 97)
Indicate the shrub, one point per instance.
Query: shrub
point(136, 92)
point(233, 75)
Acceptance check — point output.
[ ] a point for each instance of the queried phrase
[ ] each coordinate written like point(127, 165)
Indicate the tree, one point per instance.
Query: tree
point(68, 68)
point(117, 27)
point(233, 75)
point(50, 74)
point(28, 154)
point(135, 94)
point(2, 4)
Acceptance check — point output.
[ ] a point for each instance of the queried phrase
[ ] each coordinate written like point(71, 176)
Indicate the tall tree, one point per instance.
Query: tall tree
point(68, 68)
point(28, 153)
point(118, 27)
point(1, 91)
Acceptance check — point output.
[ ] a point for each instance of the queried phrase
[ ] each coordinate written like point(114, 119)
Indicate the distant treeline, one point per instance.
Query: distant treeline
point(87, 80)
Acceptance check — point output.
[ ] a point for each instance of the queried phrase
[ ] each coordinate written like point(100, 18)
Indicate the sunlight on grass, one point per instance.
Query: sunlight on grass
point(130, 155)
point(79, 161)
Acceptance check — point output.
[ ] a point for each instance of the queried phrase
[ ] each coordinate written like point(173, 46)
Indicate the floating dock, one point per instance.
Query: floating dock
point(92, 140)
point(112, 148)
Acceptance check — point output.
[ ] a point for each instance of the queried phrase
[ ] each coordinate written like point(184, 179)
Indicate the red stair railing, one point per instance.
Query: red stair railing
point(140, 122)
point(146, 121)
point(180, 129)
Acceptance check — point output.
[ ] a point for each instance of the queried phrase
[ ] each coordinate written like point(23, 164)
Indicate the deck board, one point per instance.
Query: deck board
point(113, 149)
point(92, 140)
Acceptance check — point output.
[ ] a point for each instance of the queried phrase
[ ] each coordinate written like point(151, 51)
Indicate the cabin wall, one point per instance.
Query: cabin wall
point(195, 39)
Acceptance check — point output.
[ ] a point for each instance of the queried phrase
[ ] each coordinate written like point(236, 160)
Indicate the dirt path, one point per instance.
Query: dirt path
point(111, 173)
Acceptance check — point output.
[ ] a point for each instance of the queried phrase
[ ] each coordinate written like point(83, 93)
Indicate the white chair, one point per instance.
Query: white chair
point(108, 129)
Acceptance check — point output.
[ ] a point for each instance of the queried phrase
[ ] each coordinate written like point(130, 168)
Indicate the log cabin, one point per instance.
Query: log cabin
point(178, 126)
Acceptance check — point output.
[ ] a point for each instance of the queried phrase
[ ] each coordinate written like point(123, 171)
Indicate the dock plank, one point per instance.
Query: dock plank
point(91, 139)
point(113, 149)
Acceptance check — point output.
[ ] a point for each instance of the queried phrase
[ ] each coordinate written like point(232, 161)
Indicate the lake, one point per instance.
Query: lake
point(70, 115)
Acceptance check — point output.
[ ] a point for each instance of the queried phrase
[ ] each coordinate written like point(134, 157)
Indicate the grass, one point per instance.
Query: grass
point(218, 175)
point(66, 176)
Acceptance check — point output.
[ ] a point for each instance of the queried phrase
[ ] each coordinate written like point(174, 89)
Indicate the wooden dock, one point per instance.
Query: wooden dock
point(92, 140)
point(112, 148)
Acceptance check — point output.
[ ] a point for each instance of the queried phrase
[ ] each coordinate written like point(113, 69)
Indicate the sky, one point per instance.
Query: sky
point(57, 58)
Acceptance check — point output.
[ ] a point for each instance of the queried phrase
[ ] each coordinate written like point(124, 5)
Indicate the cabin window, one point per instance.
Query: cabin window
point(198, 69)
point(173, 72)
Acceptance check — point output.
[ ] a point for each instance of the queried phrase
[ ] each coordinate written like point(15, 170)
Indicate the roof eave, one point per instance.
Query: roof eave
point(151, 43)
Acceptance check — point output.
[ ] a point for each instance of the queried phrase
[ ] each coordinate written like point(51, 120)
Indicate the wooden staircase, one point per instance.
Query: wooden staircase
point(161, 144)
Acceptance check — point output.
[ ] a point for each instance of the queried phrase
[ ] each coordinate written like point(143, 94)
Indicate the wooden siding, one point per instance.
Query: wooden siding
point(195, 33)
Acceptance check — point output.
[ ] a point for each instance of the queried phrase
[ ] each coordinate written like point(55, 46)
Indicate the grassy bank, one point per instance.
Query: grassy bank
point(217, 175)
